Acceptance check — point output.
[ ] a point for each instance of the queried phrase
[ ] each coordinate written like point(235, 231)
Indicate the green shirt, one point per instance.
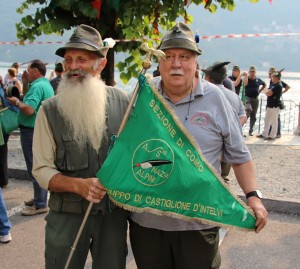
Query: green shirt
point(39, 90)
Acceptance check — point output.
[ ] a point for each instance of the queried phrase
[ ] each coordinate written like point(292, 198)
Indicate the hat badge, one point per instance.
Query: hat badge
point(176, 30)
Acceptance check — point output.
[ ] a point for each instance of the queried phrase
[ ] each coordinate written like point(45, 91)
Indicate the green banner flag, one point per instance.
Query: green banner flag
point(243, 97)
point(156, 166)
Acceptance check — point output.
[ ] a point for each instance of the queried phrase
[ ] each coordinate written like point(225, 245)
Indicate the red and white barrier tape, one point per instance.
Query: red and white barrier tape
point(32, 43)
point(248, 35)
point(145, 39)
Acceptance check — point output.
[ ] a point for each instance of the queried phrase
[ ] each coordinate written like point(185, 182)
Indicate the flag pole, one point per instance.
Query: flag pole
point(147, 63)
point(73, 247)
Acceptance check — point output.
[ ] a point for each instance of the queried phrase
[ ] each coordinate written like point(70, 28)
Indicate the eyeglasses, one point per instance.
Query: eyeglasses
point(181, 58)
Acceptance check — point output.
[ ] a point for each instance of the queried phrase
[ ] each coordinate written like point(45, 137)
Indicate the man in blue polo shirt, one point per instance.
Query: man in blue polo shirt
point(253, 87)
point(40, 89)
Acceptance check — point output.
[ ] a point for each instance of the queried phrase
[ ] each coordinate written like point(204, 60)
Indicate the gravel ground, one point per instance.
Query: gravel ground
point(277, 168)
point(15, 153)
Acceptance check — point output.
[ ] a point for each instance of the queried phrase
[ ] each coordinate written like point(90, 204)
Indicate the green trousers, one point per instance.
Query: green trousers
point(103, 235)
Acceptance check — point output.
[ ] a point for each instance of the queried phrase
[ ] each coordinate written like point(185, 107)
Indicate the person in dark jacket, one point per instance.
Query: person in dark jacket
point(253, 87)
point(59, 69)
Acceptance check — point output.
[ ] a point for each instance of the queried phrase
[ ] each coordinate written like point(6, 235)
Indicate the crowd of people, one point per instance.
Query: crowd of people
point(53, 130)
point(25, 104)
point(253, 87)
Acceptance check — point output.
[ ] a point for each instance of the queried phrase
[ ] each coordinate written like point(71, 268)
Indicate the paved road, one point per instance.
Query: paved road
point(277, 247)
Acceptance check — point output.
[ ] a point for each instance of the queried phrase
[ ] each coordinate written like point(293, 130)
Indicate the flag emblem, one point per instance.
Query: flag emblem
point(152, 162)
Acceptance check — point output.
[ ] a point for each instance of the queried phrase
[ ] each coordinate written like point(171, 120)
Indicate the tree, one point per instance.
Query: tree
point(130, 19)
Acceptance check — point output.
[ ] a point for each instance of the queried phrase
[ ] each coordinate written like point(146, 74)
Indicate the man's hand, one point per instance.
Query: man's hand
point(260, 212)
point(91, 189)
point(12, 100)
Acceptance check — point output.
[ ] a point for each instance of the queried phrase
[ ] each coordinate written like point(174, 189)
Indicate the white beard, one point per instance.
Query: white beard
point(82, 103)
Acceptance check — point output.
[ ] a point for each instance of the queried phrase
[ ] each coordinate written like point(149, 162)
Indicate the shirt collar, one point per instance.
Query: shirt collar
point(199, 91)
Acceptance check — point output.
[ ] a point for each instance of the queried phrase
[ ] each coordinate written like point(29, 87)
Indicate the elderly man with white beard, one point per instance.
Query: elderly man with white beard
point(71, 141)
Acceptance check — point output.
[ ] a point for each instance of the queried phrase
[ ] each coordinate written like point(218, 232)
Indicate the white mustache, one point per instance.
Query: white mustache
point(176, 72)
point(70, 73)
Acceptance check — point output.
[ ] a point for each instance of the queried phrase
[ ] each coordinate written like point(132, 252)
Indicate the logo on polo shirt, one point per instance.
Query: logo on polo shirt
point(200, 119)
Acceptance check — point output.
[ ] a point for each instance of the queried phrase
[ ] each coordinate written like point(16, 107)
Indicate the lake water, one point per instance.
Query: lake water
point(291, 78)
point(289, 116)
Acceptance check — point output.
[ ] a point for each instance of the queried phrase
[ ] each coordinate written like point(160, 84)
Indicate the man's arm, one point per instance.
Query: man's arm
point(245, 80)
point(269, 92)
point(263, 86)
point(243, 119)
point(26, 109)
point(285, 86)
point(238, 79)
point(242, 113)
point(246, 177)
point(44, 151)
point(89, 188)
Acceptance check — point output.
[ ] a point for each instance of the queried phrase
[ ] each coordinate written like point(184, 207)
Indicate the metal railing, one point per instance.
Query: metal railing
point(288, 117)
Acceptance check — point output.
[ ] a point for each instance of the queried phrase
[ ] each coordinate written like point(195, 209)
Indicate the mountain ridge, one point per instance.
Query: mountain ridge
point(247, 18)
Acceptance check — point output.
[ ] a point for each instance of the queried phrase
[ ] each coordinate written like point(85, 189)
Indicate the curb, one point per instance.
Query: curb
point(280, 205)
point(18, 174)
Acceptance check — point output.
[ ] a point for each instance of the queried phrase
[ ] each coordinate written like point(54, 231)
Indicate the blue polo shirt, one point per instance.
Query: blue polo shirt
point(252, 89)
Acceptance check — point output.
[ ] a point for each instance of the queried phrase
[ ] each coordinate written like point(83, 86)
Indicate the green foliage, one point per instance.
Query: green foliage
point(130, 19)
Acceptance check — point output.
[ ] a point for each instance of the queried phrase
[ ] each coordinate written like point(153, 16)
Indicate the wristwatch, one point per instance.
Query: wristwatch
point(256, 193)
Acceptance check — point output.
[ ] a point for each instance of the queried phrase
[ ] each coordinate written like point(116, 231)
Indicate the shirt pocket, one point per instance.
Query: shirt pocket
point(70, 157)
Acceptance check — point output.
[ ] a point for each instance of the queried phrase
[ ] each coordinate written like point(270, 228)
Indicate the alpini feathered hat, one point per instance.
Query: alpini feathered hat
point(180, 36)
